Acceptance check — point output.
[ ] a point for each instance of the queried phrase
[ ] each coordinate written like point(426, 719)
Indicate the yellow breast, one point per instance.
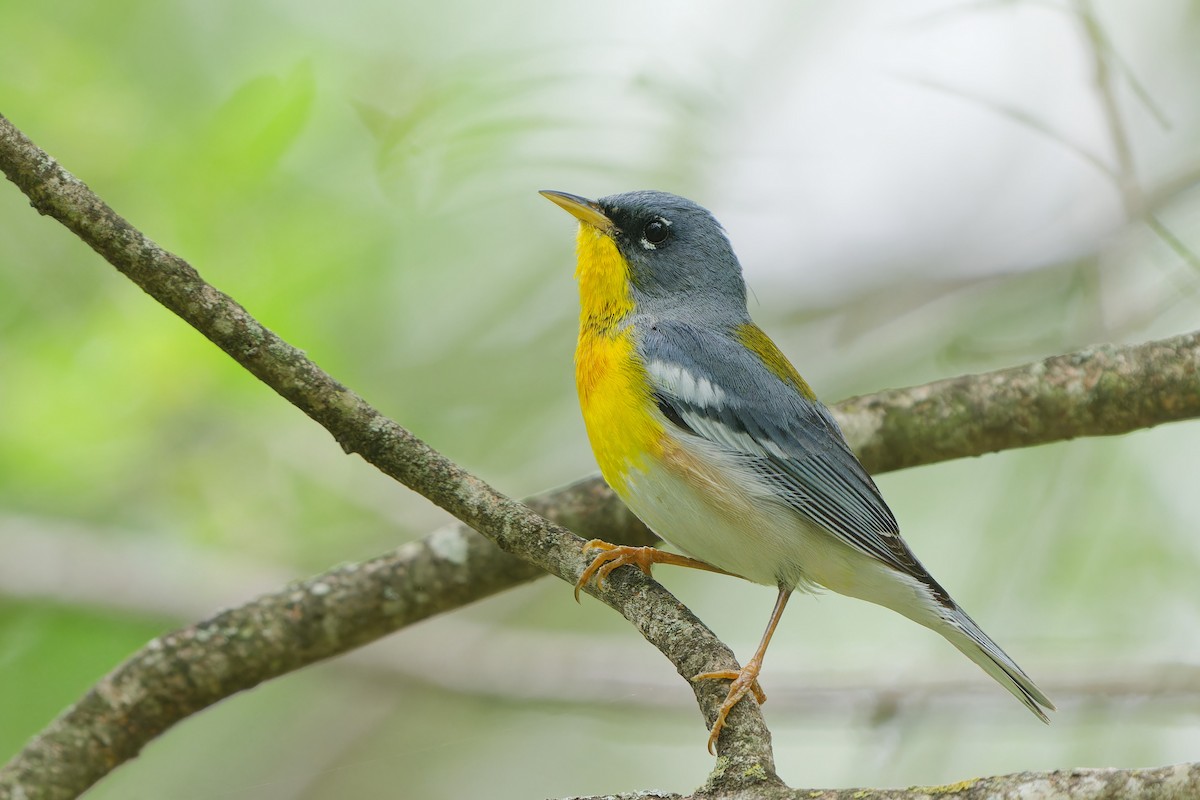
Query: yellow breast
point(617, 407)
point(614, 391)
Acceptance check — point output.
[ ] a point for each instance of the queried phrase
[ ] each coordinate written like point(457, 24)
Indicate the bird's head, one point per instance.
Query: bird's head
point(666, 253)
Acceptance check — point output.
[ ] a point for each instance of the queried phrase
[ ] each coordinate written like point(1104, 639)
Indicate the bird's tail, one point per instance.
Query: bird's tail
point(962, 632)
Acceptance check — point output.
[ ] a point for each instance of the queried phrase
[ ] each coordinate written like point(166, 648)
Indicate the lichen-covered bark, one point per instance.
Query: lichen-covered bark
point(180, 673)
point(1104, 390)
point(1099, 391)
point(1179, 782)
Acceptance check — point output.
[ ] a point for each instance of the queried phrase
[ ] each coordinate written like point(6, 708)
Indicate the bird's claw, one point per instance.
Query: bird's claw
point(743, 682)
point(613, 556)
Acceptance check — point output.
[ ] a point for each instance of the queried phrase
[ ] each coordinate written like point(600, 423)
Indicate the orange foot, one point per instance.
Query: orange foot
point(744, 681)
point(619, 555)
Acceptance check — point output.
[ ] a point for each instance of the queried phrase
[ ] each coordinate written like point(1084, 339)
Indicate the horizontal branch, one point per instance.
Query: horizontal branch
point(1161, 783)
point(1099, 391)
point(60, 561)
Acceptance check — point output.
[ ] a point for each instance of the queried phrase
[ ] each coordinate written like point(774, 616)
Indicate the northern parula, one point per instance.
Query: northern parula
point(710, 436)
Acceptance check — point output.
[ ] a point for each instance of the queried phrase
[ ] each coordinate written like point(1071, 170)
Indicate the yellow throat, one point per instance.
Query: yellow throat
point(614, 394)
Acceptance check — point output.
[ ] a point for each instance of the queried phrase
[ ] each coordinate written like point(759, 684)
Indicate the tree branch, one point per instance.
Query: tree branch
point(1105, 390)
point(1161, 783)
point(59, 561)
point(183, 672)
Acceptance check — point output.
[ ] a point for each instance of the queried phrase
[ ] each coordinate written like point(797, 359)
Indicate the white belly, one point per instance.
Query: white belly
point(722, 514)
point(733, 523)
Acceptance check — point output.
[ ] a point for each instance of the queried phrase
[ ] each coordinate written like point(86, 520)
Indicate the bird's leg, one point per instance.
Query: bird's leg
point(618, 555)
point(746, 679)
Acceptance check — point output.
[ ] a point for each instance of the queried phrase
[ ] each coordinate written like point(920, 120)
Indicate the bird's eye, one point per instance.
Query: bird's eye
point(656, 231)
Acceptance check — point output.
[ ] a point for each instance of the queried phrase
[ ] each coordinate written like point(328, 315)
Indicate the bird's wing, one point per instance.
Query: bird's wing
point(709, 384)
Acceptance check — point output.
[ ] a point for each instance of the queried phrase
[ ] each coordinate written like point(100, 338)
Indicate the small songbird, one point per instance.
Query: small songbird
point(710, 436)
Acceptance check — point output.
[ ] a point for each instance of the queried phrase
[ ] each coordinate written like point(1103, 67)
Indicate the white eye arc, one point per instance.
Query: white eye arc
point(657, 231)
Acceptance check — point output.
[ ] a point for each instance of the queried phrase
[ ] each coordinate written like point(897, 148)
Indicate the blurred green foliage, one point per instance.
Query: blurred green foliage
point(363, 180)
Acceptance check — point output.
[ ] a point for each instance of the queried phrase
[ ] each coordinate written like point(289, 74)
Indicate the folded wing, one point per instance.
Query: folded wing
point(734, 400)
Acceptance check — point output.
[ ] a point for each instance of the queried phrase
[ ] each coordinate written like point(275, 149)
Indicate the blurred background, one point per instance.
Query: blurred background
point(916, 190)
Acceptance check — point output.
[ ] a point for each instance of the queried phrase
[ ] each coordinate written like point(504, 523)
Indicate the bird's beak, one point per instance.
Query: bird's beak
point(584, 210)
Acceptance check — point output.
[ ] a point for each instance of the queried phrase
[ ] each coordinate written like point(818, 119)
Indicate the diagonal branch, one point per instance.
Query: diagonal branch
point(1099, 391)
point(160, 684)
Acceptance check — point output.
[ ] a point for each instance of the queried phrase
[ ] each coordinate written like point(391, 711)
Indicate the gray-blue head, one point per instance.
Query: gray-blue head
point(674, 249)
